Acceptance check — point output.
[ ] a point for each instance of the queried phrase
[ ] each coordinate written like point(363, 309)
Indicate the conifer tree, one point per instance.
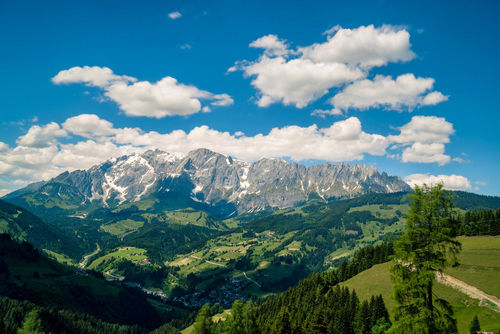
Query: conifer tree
point(204, 323)
point(364, 319)
point(31, 324)
point(474, 326)
point(381, 326)
point(426, 247)
point(234, 323)
point(317, 323)
point(282, 323)
point(249, 319)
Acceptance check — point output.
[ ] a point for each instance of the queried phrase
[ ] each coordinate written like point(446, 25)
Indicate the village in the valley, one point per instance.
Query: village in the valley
point(215, 266)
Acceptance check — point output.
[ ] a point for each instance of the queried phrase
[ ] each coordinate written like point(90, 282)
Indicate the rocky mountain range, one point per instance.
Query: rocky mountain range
point(222, 185)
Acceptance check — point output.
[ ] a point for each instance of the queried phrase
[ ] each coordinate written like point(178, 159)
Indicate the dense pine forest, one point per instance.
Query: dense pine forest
point(481, 222)
point(26, 275)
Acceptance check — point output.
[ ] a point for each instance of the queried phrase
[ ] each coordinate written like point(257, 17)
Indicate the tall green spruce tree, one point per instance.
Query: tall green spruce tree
point(425, 249)
point(204, 323)
point(474, 326)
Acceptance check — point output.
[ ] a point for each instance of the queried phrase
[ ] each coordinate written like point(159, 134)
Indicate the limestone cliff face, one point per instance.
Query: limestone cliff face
point(225, 185)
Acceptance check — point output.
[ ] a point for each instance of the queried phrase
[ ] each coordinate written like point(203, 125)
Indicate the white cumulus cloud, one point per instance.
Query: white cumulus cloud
point(174, 15)
point(425, 129)
point(298, 81)
point(423, 140)
point(42, 136)
point(426, 153)
point(88, 126)
point(451, 182)
point(167, 97)
point(404, 93)
point(301, 76)
point(91, 76)
point(364, 46)
point(272, 44)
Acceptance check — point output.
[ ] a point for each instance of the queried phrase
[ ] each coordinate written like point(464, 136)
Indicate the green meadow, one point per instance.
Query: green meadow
point(124, 252)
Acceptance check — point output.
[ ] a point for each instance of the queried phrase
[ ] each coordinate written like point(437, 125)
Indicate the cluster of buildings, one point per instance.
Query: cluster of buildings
point(224, 295)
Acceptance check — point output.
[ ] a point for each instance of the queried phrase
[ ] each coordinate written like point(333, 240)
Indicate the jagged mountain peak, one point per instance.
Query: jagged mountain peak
point(225, 185)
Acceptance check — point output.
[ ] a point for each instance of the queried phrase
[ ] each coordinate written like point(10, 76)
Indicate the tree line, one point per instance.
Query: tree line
point(480, 222)
point(313, 306)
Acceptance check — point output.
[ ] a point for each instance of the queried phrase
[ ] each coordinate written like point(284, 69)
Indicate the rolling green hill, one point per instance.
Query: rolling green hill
point(480, 250)
point(23, 225)
point(27, 275)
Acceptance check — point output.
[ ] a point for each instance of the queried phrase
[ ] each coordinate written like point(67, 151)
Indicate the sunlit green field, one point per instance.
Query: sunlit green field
point(121, 253)
point(377, 281)
point(60, 257)
point(479, 263)
point(123, 227)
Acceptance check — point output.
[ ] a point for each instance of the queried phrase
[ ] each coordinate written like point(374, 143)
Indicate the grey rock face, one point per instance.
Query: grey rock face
point(225, 185)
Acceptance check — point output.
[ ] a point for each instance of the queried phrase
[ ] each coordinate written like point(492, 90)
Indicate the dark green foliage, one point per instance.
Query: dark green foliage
point(245, 263)
point(136, 272)
point(242, 320)
point(204, 321)
point(315, 306)
point(282, 324)
point(470, 201)
point(32, 324)
point(166, 329)
point(23, 225)
point(382, 326)
point(248, 234)
point(25, 317)
point(427, 246)
point(474, 326)
point(479, 222)
point(129, 307)
point(163, 241)
point(318, 305)
point(217, 308)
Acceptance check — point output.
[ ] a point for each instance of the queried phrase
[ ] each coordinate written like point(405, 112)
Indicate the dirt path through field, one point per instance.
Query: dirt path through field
point(469, 290)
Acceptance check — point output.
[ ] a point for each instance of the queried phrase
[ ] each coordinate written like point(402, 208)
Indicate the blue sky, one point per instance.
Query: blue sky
point(408, 87)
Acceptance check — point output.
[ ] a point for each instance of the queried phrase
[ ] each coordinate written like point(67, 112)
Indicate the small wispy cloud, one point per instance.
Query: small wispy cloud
point(20, 123)
point(174, 15)
point(322, 113)
point(186, 46)
point(481, 183)
point(462, 161)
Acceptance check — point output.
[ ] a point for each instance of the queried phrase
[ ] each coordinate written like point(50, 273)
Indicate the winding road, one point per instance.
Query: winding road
point(82, 264)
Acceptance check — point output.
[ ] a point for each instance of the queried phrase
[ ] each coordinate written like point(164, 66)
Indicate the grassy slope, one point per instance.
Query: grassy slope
point(121, 253)
point(377, 280)
point(21, 224)
point(216, 318)
point(479, 263)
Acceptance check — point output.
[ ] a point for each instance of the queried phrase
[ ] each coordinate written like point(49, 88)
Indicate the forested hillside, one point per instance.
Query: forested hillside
point(23, 225)
point(27, 275)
